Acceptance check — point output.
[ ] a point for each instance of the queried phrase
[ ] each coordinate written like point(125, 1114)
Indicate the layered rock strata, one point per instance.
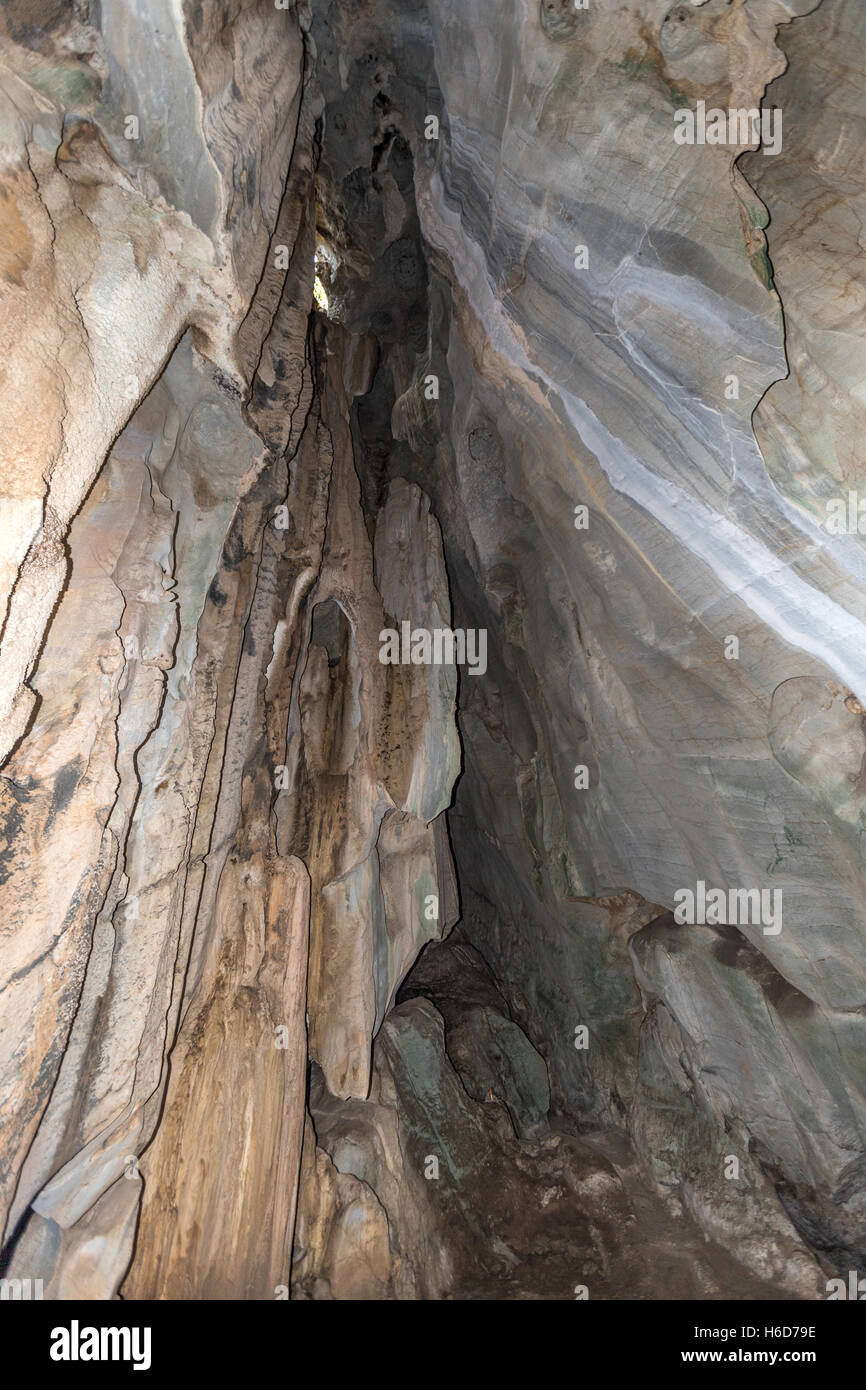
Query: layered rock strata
point(326, 319)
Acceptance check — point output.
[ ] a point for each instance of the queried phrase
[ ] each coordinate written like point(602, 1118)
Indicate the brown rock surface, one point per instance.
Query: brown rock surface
point(300, 348)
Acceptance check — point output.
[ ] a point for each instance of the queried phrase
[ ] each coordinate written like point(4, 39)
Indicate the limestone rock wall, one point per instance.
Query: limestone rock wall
point(624, 381)
point(327, 318)
point(182, 600)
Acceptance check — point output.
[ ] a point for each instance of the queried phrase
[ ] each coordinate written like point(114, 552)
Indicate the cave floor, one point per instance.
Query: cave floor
point(499, 1194)
point(562, 1233)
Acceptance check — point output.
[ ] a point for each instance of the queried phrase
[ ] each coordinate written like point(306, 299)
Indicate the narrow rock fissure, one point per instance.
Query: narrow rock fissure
point(531, 1189)
point(417, 600)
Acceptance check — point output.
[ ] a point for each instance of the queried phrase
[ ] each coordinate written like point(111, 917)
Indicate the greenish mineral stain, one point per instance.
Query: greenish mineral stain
point(757, 215)
point(634, 66)
point(65, 85)
point(760, 263)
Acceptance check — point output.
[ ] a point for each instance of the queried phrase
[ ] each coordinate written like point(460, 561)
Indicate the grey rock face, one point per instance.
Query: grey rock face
point(328, 965)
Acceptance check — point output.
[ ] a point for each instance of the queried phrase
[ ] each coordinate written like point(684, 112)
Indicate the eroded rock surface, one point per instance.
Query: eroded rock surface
point(327, 319)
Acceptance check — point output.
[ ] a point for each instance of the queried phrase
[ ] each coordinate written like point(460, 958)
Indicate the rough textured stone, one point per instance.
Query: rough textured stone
point(286, 366)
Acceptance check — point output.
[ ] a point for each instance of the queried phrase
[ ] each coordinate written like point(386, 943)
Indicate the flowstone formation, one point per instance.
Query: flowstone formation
point(432, 673)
